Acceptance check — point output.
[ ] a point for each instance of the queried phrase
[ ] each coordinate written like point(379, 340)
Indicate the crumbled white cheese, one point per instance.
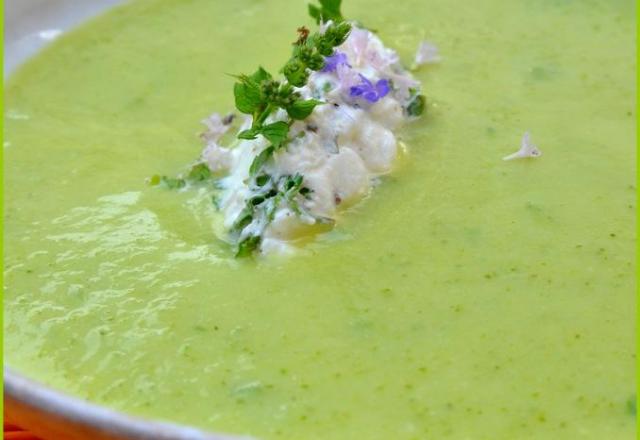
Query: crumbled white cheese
point(216, 157)
point(217, 126)
point(527, 149)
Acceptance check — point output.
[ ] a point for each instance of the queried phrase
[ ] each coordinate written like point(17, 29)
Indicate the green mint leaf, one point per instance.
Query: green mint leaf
point(262, 180)
point(247, 96)
point(417, 106)
point(302, 109)
point(199, 173)
point(292, 184)
point(248, 246)
point(257, 200)
point(315, 13)
point(172, 183)
point(260, 75)
point(248, 134)
point(215, 201)
point(260, 160)
point(154, 180)
point(244, 219)
point(331, 6)
point(248, 92)
point(273, 206)
point(276, 133)
point(328, 10)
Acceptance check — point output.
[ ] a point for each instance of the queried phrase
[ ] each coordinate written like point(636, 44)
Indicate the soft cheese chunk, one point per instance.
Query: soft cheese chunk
point(348, 176)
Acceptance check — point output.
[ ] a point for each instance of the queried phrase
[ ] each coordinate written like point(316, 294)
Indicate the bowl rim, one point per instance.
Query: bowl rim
point(32, 405)
point(53, 414)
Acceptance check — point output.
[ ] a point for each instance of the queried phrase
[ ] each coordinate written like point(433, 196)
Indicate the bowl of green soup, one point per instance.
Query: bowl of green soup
point(340, 251)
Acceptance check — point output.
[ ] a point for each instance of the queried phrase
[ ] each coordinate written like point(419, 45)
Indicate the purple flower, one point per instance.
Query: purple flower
point(331, 63)
point(367, 90)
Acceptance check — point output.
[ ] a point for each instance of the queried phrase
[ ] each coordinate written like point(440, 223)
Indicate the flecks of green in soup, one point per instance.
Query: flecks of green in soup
point(467, 298)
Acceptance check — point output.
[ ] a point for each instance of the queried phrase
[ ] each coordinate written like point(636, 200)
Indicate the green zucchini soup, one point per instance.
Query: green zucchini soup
point(461, 296)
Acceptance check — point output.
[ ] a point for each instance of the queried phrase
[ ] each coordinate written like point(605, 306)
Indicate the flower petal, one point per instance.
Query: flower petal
point(382, 87)
point(332, 62)
point(427, 54)
point(527, 149)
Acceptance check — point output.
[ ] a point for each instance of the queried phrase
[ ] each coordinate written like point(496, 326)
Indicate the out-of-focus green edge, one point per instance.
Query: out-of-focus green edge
point(2, 203)
point(637, 224)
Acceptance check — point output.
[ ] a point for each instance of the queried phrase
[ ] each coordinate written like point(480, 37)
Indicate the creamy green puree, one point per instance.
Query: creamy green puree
point(467, 298)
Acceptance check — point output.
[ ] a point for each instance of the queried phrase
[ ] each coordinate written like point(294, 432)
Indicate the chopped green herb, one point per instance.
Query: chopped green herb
point(155, 180)
point(173, 183)
point(199, 173)
point(417, 106)
point(250, 134)
point(256, 201)
point(262, 180)
point(244, 219)
point(301, 110)
point(215, 200)
point(276, 133)
point(260, 160)
point(305, 192)
point(292, 183)
point(247, 246)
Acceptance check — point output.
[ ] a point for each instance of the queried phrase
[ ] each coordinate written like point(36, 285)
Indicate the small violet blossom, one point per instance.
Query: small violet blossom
point(527, 149)
point(427, 54)
point(367, 90)
point(332, 62)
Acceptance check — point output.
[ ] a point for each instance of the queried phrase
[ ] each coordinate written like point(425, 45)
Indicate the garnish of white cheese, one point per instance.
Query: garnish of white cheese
point(334, 155)
point(527, 149)
point(311, 143)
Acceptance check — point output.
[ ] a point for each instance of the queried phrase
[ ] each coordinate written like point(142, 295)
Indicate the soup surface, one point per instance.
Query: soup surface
point(468, 298)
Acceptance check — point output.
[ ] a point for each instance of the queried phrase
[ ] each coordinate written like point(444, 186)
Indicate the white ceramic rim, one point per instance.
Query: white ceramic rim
point(82, 419)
